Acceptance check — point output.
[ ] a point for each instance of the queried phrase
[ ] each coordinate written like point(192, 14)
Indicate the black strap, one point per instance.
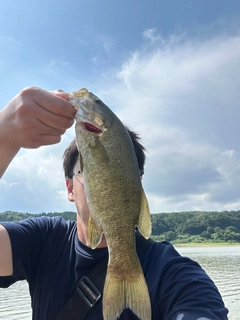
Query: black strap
point(89, 289)
point(86, 294)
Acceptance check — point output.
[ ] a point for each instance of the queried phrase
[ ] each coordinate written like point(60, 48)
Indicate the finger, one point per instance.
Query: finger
point(56, 91)
point(60, 93)
point(53, 120)
point(63, 95)
point(39, 127)
point(42, 140)
point(44, 134)
point(48, 130)
point(33, 112)
point(49, 140)
point(49, 101)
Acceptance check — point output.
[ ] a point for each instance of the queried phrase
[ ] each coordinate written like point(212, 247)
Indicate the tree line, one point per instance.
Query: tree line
point(176, 227)
point(197, 226)
point(18, 216)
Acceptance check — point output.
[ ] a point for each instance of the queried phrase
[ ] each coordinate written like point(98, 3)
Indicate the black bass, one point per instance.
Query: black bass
point(116, 200)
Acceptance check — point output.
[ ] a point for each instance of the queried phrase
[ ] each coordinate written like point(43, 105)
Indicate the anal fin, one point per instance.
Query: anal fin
point(144, 221)
point(94, 233)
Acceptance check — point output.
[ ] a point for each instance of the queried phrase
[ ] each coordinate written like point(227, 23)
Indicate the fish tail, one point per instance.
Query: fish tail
point(126, 293)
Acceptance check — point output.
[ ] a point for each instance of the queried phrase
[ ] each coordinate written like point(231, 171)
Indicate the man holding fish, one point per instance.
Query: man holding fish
point(103, 168)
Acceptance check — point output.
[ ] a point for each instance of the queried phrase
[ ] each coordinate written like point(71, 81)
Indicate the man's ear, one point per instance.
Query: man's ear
point(69, 185)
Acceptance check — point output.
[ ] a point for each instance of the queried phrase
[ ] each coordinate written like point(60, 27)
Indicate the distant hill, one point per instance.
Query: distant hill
point(177, 227)
point(18, 216)
point(197, 226)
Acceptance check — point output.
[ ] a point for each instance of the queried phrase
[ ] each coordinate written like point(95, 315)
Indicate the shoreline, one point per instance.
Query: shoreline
point(206, 244)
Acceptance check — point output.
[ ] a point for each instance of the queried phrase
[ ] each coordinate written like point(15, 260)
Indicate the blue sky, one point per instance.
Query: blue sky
point(170, 70)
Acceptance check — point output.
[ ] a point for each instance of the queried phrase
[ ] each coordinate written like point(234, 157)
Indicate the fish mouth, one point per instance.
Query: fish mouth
point(90, 128)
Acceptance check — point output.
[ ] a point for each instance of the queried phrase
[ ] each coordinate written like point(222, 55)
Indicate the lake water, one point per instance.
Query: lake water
point(221, 263)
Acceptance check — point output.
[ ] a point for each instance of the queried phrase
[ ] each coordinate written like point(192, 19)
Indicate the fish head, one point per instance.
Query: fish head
point(92, 114)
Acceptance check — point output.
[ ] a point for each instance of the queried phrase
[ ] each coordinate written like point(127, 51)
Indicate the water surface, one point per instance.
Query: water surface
point(222, 264)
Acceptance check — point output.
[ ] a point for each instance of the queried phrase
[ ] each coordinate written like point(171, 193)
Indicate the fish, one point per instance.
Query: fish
point(116, 200)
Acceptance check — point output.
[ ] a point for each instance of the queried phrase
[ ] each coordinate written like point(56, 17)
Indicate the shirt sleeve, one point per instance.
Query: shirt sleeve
point(180, 289)
point(190, 293)
point(27, 238)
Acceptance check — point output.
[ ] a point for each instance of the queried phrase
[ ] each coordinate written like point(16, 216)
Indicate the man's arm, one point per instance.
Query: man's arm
point(7, 154)
point(6, 266)
point(33, 118)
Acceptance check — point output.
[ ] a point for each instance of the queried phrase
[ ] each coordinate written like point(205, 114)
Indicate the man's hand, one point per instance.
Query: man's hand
point(33, 118)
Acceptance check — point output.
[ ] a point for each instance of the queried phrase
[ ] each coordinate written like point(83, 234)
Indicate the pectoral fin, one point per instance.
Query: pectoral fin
point(94, 233)
point(81, 162)
point(144, 222)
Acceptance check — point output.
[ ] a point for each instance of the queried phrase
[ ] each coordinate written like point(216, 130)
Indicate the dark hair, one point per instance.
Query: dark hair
point(71, 155)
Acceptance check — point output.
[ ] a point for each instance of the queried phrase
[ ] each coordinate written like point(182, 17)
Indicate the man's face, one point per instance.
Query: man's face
point(76, 193)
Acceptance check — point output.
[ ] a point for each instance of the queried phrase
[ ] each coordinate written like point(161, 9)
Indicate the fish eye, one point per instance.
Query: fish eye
point(98, 101)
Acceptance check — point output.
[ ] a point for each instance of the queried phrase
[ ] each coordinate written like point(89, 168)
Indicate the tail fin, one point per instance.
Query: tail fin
point(130, 293)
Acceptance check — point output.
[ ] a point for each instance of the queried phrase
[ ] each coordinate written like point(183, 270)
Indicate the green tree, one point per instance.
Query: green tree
point(206, 234)
point(170, 235)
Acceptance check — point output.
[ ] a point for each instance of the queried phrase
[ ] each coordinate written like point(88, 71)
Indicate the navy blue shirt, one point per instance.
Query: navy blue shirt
point(47, 253)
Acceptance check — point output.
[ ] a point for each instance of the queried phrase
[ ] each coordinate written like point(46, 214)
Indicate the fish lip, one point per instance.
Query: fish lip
point(91, 128)
point(85, 119)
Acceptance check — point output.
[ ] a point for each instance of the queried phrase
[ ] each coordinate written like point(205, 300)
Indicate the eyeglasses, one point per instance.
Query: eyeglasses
point(79, 172)
point(74, 173)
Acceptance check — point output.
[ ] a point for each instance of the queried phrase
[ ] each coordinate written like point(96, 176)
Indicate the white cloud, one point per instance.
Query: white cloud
point(153, 38)
point(151, 34)
point(182, 95)
point(183, 98)
point(34, 181)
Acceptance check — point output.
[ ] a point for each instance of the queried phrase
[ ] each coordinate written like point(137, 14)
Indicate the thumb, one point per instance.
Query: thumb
point(60, 93)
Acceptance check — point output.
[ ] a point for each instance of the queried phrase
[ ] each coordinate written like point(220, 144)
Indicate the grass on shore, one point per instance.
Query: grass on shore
point(195, 241)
